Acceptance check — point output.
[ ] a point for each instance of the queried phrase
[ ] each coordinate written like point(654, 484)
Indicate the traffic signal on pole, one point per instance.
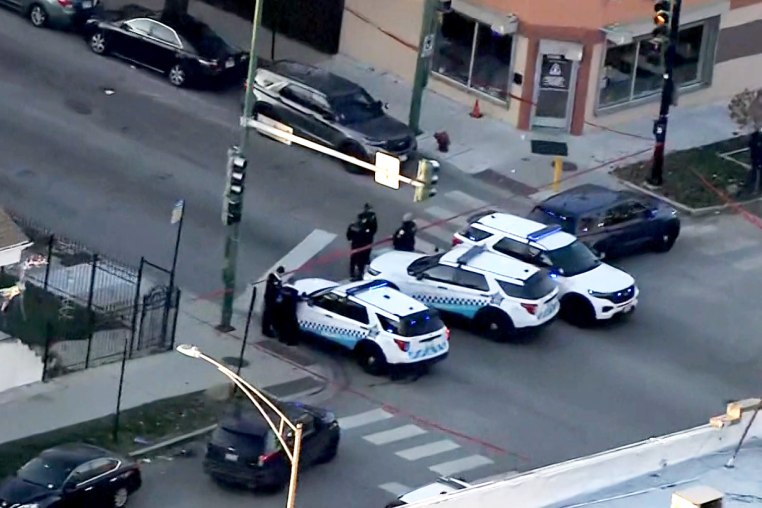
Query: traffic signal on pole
point(662, 18)
point(428, 175)
point(234, 187)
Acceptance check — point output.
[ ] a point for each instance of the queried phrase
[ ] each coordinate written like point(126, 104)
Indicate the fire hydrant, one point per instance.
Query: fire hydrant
point(443, 141)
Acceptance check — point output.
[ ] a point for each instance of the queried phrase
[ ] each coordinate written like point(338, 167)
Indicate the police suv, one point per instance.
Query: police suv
point(374, 320)
point(500, 294)
point(589, 289)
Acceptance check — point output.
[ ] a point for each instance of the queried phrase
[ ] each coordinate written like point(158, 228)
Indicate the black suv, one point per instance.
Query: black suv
point(330, 110)
point(243, 450)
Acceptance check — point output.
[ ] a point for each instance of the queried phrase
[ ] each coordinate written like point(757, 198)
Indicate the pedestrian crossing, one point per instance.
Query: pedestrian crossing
point(447, 215)
point(415, 445)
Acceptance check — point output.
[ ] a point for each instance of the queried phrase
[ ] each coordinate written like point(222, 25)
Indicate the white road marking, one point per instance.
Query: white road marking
point(398, 434)
point(361, 419)
point(395, 489)
point(466, 199)
point(719, 247)
point(693, 230)
point(438, 233)
point(444, 214)
point(427, 450)
point(460, 465)
point(748, 264)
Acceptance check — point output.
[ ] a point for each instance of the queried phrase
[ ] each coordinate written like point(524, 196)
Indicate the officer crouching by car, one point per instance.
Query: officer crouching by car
point(404, 237)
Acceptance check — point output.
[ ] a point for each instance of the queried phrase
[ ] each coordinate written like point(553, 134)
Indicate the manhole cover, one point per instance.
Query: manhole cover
point(233, 361)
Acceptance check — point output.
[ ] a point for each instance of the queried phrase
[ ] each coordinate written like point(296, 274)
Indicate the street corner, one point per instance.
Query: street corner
point(308, 373)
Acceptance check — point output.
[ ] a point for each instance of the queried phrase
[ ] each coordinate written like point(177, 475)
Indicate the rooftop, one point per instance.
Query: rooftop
point(581, 199)
point(315, 77)
point(10, 234)
point(486, 261)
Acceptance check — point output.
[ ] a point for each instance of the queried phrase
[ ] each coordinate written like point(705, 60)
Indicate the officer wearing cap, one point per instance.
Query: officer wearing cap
point(404, 237)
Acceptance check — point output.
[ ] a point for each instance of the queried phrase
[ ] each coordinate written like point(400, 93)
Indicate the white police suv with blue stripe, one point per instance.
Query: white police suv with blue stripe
point(499, 293)
point(589, 289)
point(374, 320)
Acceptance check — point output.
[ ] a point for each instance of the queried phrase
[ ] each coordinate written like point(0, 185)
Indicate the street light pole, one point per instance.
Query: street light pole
point(667, 98)
point(429, 29)
point(233, 231)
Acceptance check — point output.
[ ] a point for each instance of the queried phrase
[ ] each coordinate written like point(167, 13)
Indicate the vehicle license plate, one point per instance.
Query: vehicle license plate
point(548, 310)
point(232, 457)
point(87, 5)
point(627, 309)
point(403, 158)
point(230, 63)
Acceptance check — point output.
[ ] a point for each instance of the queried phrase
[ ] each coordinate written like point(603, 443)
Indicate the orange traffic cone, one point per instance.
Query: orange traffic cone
point(476, 112)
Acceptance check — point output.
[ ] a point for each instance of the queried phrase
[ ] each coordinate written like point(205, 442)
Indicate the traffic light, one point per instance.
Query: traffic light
point(662, 18)
point(236, 176)
point(428, 174)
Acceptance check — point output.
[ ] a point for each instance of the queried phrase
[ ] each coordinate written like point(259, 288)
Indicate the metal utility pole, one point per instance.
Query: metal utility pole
point(668, 94)
point(233, 231)
point(429, 30)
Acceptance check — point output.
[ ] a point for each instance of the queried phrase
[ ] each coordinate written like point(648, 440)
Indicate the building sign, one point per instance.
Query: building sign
point(555, 73)
point(428, 46)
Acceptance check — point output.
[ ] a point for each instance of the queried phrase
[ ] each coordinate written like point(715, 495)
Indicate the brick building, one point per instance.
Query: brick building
point(556, 64)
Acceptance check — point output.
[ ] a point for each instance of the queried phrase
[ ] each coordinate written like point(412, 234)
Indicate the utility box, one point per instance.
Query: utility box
point(697, 497)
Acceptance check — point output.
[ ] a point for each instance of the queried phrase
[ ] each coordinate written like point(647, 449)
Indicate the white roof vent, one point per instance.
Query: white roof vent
point(697, 497)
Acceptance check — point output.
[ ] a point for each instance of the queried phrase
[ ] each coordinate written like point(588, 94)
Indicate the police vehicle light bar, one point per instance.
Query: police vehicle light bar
point(471, 254)
point(543, 233)
point(376, 284)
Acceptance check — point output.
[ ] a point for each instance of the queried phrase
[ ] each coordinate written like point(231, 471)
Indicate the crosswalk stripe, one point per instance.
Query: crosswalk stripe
point(366, 418)
point(395, 489)
point(718, 248)
point(466, 199)
point(444, 214)
point(398, 434)
point(459, 465)
point(693, 230)
point(748, 264)
point(427, 450)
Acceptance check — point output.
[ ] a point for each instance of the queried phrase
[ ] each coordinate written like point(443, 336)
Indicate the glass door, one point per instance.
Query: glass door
point(554, 92)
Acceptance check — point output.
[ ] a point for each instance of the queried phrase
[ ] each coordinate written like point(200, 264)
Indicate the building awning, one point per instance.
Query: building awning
point(503, 24)
point(11, 236)
point(623, 33)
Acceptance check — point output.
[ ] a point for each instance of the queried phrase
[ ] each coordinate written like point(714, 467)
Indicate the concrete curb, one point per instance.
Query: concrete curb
point(696, 212)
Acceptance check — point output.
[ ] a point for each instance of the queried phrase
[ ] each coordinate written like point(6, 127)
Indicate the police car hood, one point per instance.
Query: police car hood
point(602, 279)
point(394, 262)
point(309, 286)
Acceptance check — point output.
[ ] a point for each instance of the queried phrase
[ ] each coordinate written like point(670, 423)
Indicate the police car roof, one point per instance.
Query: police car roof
point(486, 261)
point(549, 237)
point(381, 295)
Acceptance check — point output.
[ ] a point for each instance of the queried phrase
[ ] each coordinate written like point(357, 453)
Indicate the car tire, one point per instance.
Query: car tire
point(38, 16)
point(120, 497)
point(330, 452)
point(495, 324)
point(354, 150)
point(98, 43)
point(577, 310)
point(178, 75)
point(371, 359)
point(666, 240)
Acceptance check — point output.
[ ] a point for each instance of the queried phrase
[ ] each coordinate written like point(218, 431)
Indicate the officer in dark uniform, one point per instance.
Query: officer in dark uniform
point(368, 220)
point(404, 237)
point(288, 324)
point(272, 295)
point(360, 239)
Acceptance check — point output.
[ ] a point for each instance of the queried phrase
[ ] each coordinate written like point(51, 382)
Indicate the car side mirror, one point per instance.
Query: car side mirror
point(386, 105)
point(124, 26)
point(328, 116)
point(420, 276)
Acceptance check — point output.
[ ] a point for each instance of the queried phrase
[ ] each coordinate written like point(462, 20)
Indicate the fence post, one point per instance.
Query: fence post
point(46, 352)
point(136, 306)
point(178, 294)
point(90, 312)
point(49, 258)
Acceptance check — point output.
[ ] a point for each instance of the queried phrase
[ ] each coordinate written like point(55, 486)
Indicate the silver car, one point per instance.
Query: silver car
point(53, 13)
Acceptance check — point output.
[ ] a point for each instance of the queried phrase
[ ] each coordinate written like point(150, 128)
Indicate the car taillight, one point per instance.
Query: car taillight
point(447, 333)
point(64, 3)
point(404, 346)
point(456, 241)
point(530, 307)
point(265, 457)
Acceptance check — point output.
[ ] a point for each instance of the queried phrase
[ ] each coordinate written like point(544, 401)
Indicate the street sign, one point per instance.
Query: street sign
point(428, 46)
point(280, 126)
point(387, 170)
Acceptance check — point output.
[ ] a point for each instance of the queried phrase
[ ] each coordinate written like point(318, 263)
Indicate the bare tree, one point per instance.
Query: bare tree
point(745, 109)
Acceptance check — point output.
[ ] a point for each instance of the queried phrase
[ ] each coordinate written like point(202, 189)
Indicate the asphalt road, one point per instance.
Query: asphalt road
point(106, 169)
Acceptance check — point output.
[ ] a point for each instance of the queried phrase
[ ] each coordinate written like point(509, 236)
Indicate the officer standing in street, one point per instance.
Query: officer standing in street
point(404, 237)
point(272, 295)
point(288, 324)
point(360, 239)
point(368, 220)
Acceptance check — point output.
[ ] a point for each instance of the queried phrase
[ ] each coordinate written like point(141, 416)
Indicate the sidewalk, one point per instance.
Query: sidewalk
point(92, 393)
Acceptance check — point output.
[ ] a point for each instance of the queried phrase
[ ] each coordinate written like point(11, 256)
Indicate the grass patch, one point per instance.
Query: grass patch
point(153, 422)
point(682, 185)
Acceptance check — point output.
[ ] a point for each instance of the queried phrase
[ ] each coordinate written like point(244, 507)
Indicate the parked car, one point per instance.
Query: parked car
point(613, 223)
point(72, 475)
point(330, 110)
point(186, 50)
point(53, 13)
point(589, 289)
point(443, 486)
point(380, 325)
point(243, 450)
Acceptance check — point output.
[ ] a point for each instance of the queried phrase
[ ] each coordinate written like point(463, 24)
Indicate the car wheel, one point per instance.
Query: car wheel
point(330, 453)
point(665, 241)
point(38, 15)
point(120, 498)
point(356, 151)
point(177, 75)
point(495, 325)
point(371, 359)
point(576, 310)
point(97, 43)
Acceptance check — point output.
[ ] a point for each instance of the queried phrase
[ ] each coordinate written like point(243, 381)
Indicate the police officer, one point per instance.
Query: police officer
point(368, 220)
point(288, 324)
point(360, 239)
point(272, 295)
point(404, 237)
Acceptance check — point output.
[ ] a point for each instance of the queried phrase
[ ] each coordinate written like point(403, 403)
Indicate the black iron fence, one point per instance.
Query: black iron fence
point(81, 308)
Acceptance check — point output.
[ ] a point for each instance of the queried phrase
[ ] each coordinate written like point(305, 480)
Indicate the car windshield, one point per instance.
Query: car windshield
point(46, 472)
point(535, 287)
point(420, 323)
point(356, 107)
point(573, 259)
point(423, 263)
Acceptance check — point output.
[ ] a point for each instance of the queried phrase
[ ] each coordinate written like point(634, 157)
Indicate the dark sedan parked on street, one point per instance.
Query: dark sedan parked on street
point(243, 450)
point(54, 13)
point(185, 50)
point(72, 476)
point(613, 223)
point(330, 110)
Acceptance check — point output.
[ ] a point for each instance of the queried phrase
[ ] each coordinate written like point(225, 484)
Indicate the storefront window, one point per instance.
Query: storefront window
point(472, 54)
point(633, 71)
